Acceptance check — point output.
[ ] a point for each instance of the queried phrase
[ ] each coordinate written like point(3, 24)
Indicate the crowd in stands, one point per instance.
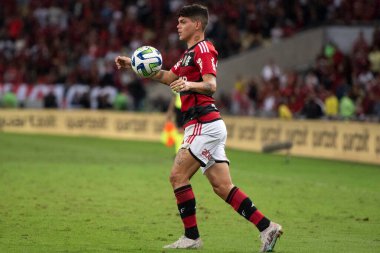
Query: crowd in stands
point(75, 41)
point(338, 86)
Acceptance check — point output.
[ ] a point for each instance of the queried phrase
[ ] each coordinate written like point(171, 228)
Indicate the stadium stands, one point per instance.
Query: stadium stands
point(337, 86)
point(59, 44)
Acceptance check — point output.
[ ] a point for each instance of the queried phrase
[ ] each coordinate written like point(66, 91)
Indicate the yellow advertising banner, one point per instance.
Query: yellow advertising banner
point(119, 125)
point(353, 141)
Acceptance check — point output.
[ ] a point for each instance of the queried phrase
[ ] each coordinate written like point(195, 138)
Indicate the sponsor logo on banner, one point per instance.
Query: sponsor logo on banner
point(271, 134)
point(94, 123)
point(357, 141)
point(247, 133)
point(13, 121)
point(325, 138)
point(230, 130)
point(298, 136)
point(32, 120)
point(134, 124)
point(48, 121)
point(377, 145)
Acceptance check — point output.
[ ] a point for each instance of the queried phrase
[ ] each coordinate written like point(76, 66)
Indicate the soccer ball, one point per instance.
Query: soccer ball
point(146, 61)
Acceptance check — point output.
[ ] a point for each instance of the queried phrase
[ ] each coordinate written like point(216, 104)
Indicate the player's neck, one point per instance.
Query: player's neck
point(197, 37)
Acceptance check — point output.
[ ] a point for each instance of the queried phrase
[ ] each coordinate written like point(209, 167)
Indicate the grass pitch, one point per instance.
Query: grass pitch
point(77, 194)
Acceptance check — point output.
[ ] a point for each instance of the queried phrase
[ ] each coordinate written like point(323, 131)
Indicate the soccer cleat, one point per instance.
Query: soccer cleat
point(269, 237)
point(185, 243)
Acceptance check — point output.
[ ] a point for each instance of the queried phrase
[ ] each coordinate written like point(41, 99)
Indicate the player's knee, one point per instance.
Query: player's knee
point(176, 178)
point(222, 190)
point(217, 189)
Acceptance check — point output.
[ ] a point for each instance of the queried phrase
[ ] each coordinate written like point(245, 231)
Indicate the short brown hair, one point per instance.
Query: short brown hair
point(195, 12)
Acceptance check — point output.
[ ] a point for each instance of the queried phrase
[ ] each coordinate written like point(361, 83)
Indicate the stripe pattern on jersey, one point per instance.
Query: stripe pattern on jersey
point(204, 47)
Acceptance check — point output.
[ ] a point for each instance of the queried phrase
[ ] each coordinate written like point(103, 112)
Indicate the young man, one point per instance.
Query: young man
point(194, 77)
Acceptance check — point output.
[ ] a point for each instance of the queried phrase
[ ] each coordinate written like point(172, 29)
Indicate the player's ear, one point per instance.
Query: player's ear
point(198, 25)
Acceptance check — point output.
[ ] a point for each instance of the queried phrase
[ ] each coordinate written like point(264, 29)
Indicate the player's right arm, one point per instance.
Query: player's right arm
point(163, 76)
point(123, 62)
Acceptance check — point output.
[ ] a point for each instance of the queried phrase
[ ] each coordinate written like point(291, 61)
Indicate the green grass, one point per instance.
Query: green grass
point(77, 194)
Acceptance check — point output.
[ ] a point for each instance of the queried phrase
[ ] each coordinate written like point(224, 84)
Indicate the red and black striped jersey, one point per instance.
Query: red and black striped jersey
point(199, 60)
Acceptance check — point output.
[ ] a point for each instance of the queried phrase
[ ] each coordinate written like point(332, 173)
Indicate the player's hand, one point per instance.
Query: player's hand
point(180, 85)
point(123, 62)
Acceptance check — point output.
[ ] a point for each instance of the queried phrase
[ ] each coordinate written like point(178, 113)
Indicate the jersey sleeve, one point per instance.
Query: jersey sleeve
point(206, 59)
point(175, 68)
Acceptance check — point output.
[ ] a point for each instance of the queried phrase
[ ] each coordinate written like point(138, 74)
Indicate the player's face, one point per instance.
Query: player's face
point(186, 28)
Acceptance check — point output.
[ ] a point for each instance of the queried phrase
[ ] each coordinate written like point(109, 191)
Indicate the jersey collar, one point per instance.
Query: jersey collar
point(195, 45)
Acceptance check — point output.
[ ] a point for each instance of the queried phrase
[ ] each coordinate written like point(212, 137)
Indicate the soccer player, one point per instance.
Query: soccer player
point(194, 77)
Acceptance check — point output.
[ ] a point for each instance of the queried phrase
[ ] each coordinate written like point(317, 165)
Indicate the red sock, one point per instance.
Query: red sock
point(244, 206)
point(186, 207)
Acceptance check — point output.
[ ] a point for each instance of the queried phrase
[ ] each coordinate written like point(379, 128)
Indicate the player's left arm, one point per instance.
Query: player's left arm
point(206, 86)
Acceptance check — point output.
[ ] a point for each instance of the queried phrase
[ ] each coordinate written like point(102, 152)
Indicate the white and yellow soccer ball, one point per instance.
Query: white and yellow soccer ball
point(146, 61)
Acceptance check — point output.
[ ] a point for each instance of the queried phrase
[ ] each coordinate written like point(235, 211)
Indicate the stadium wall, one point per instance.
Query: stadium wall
point(351, 141)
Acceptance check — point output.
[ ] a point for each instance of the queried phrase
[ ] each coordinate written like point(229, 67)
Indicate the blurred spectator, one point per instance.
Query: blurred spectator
point(331, 105)
point(50, 100)
point(271, 71)
point(375, 95)
point(360, 63)
point(313, 108)
point(81, 100)
point(276, 33)
point(137, 90)
point(360, 44)
point(268, 106)
point(224, 103)
point(9, 100)
point(374, 59)
point(284, 111)
point(240, 103)
point(121, 101)
point(253, 92)
point(376, 36)
point(347, 107)
point(104, 102)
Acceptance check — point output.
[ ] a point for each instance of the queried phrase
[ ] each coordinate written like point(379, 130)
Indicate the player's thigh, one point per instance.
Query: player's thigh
point(185, 165)
point(220, 178)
